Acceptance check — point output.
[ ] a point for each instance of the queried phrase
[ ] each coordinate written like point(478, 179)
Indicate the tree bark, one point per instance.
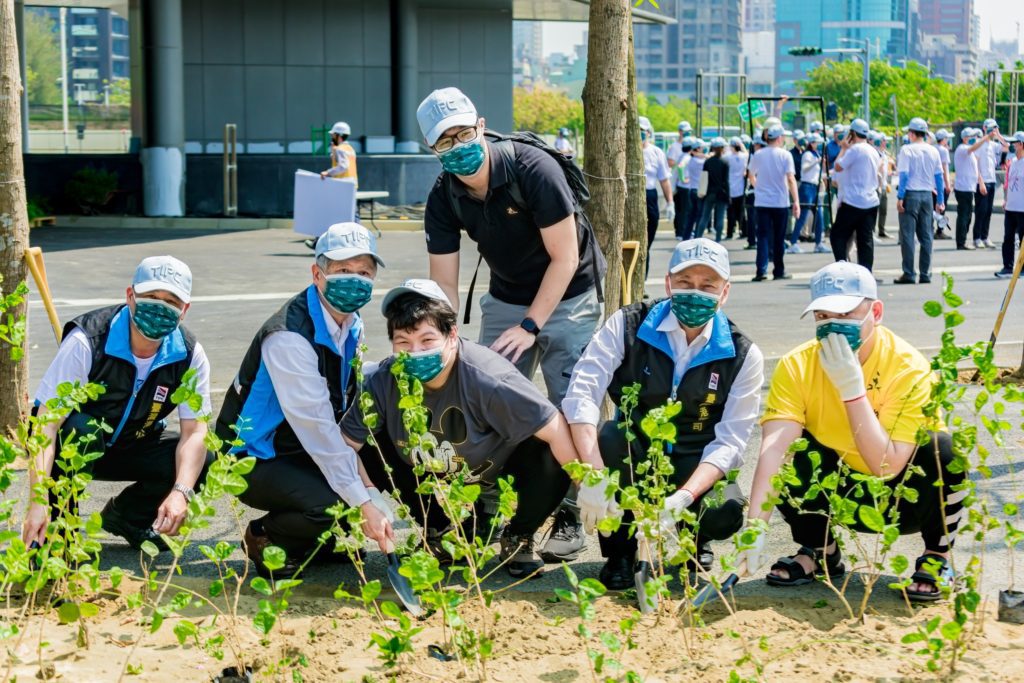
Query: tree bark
point(635, 223)
point(13, 213)
point(605, 103)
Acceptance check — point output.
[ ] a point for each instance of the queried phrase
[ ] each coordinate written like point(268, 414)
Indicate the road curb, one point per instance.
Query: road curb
point(209, 224)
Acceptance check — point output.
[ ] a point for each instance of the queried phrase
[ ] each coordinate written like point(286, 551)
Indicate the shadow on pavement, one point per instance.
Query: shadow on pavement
point(52, 239)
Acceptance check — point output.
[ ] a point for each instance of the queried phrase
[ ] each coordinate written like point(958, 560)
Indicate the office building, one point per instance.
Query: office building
point(706, 38)
point(948, 18)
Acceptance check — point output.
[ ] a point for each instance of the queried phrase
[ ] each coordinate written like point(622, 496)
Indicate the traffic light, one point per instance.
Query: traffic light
point(831, 112)
point(804, 51)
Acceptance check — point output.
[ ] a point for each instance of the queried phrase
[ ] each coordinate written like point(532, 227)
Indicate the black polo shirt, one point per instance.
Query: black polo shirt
point(508, 236)
point(718, 178)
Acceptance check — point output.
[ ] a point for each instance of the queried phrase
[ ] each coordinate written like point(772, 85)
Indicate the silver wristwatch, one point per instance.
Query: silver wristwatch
point(185, 491)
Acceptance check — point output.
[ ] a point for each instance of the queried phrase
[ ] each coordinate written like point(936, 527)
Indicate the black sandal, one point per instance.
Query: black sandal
point(940, 576)
point(798, 576)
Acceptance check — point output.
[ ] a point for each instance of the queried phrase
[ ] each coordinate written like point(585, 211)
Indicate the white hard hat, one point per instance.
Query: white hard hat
point(341, 128)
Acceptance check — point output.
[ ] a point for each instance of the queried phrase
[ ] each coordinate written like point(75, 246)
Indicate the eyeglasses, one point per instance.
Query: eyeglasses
point(447, 142)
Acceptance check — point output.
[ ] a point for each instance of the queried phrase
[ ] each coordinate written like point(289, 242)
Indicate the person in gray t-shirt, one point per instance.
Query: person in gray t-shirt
point(483, 414)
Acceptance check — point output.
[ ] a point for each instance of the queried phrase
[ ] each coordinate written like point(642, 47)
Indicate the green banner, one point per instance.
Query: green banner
point(754, 108)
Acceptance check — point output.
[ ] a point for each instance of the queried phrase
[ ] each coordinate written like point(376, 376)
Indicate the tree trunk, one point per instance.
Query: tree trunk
point(635, 223)
point(13, 213)
point(605, 102)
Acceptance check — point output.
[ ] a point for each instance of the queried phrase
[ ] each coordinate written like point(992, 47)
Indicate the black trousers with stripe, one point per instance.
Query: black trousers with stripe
point(937, 523)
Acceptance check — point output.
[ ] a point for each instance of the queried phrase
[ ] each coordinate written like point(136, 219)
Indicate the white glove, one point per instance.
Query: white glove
point(670, 212)
point(675, 504)
point(380, 501)
point(596, 503)
point(842, 366)
point(752, 557)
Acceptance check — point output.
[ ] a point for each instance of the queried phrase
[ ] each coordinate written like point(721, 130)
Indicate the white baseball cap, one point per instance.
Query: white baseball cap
point(163, 273)
point(347, 240)
point(840, 287)
point(443, 109)
point(700, 252)
point(422, 286)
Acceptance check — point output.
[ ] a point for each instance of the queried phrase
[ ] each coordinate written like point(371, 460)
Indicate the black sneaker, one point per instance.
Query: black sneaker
point(760, 277)
point(705, 558)
point(617, 573)
point(115, 523)
point(904, 280)
point(784, 276)
point(924, 280)
point(519, 556)
point(567, 539)
point(1005, 273)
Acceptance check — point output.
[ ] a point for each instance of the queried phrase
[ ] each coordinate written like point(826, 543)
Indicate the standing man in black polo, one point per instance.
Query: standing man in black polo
point(542, 306)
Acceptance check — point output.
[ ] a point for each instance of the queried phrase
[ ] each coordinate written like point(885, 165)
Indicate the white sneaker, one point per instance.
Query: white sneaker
point(978, 244)
point(990, 244)
point(794, 249)
point(821, 249)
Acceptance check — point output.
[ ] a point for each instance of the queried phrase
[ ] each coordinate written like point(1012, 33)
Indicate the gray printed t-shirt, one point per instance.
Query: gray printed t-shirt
point(482, 413)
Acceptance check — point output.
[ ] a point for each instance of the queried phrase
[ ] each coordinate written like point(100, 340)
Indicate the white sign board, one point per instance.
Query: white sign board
point(320, 203)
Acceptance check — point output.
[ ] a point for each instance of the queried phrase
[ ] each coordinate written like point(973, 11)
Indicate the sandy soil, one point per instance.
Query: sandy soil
point(794, 638)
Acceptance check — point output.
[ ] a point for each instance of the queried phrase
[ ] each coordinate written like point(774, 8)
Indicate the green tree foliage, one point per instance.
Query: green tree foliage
point(542, 110)
point(42, 59)
point(917, 93)
point(120, 92)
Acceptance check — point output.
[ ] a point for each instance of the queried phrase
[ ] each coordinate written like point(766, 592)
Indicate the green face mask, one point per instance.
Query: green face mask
point(841, 326)
point(694, 308)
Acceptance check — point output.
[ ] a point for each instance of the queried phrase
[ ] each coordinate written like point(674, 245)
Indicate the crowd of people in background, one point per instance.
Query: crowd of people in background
point(780, 188)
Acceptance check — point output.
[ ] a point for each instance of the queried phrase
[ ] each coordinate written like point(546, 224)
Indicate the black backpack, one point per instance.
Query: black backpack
point(503, 144)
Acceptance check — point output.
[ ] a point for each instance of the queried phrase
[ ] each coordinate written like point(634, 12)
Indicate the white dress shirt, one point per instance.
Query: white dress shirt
point(920, 162)
point(988, 155)
point(305, 401)
point(1015, 186)
point(859, 166)
point(655, 167)
point(737, 162)
point(603, 356)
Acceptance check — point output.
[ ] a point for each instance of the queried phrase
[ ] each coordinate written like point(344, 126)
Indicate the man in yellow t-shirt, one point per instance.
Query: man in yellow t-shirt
point(857, 393)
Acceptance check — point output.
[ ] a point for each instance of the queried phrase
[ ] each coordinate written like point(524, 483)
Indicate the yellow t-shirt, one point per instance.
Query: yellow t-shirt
point(899, 381)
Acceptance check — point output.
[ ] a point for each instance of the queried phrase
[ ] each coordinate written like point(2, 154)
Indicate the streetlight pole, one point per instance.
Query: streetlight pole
point(866, 87)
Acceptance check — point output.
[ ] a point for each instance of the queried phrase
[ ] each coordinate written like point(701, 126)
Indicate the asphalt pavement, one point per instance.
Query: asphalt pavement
point(242, 277)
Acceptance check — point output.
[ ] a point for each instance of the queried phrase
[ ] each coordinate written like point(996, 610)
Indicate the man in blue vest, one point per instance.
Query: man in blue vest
point(295, 383)
point(684, 348)
point(139, 352)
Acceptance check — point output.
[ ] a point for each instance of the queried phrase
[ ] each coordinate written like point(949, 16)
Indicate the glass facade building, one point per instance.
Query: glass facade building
point(891, 25)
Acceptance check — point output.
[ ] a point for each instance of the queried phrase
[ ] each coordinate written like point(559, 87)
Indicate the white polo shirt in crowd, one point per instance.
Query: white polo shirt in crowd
point(593, 374)
point(674, 153)
point(860, 164)
point(694, 167)
point(737, 162)
point(682, 166)
point(987, 154)
point(810, 168)
point(966, 169)
point(943, 156)
point(920, 162)
point(770, 166)
point(655, 167)
point(1015, 186)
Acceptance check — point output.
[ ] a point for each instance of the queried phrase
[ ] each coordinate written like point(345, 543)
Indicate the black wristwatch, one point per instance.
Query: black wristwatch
point(530, 326)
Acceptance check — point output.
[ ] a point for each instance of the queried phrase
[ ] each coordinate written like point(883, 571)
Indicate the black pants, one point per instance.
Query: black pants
point(653, 215)
point(850, 222)
point(695, 207)
point(681, 199)
point(751, 224)
point(148, 463)
point(1013, 224)
point(936, 524)
point(734, 218)
point(539, 481)
point(717, 519)
point(772, 226)
point(983, 211)
point(964, 207)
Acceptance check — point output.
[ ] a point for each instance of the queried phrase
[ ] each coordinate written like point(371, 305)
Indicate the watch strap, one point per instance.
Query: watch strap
point(185, 491)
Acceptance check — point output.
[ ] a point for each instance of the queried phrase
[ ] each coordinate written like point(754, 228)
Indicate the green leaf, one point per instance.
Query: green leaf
point(915, 637)
point(264, 622)
point(951, 630)
point(370, 591)
point(932, 309)
point(274, 557)
point(150, 548)
point(261, 585)
point(871, 518)
point(184, 630)
point(88, 609)
point(390, 609)
point(68, 612)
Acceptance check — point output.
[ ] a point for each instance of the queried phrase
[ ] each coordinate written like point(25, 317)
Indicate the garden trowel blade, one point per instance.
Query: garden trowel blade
point(402, 587)
point(708, 592)
point(641, 574)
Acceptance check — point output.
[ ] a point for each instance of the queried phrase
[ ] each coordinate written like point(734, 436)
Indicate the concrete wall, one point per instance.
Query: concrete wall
point(266, 181)
point(47, 174)
point(471, 50)
point(275, 68)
